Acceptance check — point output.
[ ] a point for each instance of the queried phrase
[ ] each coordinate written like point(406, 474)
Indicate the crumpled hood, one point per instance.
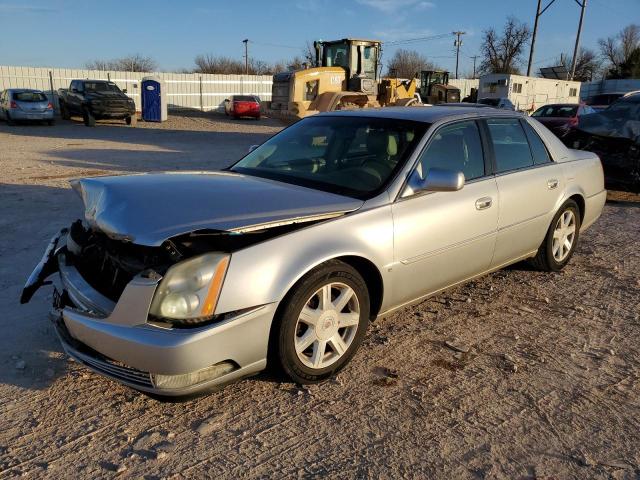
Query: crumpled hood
point(147, 209)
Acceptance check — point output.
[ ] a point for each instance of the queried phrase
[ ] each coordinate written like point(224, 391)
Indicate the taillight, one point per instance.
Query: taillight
point(50, 106)
point(13, 104)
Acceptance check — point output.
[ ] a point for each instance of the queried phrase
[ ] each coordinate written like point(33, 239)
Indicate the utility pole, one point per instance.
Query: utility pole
point(583, 5)
point(457, 43)
point(246, 56)
point(474, 64)
point(535, 32)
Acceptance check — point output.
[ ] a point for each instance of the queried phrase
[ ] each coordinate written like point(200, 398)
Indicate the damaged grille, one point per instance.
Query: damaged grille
point(109, 265)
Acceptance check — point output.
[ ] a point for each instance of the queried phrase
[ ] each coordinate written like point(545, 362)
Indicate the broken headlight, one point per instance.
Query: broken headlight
point(190, 289)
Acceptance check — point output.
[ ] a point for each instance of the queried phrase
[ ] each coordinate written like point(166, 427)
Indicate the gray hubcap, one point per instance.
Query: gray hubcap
point(564, 235)
point(327, 325)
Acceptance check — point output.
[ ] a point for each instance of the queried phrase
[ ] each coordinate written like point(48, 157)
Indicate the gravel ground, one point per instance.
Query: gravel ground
point(549, 387)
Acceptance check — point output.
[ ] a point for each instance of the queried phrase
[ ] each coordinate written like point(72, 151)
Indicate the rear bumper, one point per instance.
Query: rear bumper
point(25, 115)
point(115, 339)
point(593, 209)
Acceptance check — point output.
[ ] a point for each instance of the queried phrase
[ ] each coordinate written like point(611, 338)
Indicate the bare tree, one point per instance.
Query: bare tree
point(619, 49)
point(130, 63)
point(588, 64)
point(209, 63)
point(408, 64)
point(503, 53)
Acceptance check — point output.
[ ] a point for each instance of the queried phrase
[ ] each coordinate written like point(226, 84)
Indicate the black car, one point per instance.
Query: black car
point(96, 100)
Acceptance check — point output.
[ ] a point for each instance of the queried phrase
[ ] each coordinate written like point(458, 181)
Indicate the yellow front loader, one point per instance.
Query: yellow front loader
point(345, 77)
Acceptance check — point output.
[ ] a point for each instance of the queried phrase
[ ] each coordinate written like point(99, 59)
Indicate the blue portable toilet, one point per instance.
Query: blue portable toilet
point(154, 100)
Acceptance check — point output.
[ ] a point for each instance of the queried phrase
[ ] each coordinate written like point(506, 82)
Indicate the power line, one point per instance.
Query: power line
point(417, 39)
point(275, 45)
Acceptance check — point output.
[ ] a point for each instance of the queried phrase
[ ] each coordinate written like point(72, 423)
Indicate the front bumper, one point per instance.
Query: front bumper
point(115, 339)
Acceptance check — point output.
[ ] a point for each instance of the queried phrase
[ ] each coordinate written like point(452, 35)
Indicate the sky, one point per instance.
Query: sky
point(69, 33)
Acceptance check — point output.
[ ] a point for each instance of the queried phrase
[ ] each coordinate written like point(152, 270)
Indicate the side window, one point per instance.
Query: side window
point(509, 144)
point(538, 149)
point(311, 90)
point(455, 147)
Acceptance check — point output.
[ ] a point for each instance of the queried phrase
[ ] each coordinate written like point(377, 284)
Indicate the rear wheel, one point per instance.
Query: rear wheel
point(9, 119)
point(561, 239)
point(131, 120)
point(51, 122)
point(322, 323)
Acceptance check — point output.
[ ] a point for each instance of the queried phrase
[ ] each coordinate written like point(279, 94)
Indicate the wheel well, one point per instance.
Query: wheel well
point(580, 201)
point(372, 279)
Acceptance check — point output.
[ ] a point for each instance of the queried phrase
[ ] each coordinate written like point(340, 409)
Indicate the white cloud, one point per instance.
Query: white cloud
point(390, 6)
point(7, 8)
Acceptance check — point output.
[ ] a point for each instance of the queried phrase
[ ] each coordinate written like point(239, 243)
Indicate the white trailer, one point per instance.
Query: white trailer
point(528, 93)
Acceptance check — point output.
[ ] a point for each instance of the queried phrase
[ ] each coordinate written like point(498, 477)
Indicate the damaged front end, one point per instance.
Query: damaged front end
point(145, 315)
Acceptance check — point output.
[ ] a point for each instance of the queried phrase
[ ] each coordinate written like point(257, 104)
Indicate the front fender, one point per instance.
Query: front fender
point(265, 272)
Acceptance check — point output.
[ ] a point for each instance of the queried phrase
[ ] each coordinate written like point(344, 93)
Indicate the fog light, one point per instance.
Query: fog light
point(169, 382)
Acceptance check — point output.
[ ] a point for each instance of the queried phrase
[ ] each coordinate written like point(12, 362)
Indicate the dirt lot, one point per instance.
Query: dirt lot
point(549, 388)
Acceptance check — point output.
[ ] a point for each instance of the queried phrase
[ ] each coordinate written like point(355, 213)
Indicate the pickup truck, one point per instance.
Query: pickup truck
point(95, 100)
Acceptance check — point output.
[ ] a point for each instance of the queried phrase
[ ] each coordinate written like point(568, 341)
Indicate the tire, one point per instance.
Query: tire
point(9, 120)
point(64, 111)
point(51, 123)
point(89, 119)
point(553, 254)
point(131, 120)
point(320, 356)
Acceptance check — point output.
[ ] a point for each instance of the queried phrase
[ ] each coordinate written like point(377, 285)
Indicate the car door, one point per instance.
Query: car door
point(529, 186)
point(74, 96)
point(441, 238)
point(3, 95)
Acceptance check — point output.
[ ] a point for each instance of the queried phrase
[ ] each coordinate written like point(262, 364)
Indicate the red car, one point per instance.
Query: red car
point(242, 106)
point(560, 117)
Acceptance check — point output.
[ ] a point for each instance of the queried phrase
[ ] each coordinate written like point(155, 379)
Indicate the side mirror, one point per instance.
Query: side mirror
point(124, 90)
point(226, 100)
point(253, 147)
point(436, 180)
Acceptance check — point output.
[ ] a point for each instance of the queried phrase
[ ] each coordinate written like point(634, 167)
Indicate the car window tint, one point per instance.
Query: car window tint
point(509, 144)
point(538, 149)
point(455, 147)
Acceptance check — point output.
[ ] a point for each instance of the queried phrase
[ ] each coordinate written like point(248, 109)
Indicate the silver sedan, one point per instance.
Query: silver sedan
point(177, 282)
point(20, 104)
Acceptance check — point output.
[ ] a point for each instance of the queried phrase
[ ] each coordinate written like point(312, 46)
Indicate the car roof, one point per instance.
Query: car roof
point(423, 114)
point(18, 90)
point(561, 105)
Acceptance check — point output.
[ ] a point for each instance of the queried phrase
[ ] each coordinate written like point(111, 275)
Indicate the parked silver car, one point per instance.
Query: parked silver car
point(20, 104)
point(176, 282)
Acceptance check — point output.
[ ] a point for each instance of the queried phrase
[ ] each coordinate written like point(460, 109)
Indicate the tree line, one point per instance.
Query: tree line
point(501, 51)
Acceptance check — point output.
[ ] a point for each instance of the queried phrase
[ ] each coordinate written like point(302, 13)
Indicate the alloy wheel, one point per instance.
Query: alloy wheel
point(327, 325)
point(564, 235)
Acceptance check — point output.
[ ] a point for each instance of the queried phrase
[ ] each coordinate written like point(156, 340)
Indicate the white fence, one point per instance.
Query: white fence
point(590, 89)
point(188, 90)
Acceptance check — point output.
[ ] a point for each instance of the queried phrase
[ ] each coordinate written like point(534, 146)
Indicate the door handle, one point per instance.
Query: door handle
point(551, 184)
point(483, 203)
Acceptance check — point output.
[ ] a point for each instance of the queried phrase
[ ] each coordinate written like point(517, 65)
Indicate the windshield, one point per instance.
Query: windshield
point(336, 55)
point(29, 97)
point(353, 156)
point(564, 111)
point(101, 87)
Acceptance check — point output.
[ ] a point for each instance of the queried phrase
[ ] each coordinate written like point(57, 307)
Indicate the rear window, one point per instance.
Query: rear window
point(244, 98)
point(29, 97)
point(561, 111)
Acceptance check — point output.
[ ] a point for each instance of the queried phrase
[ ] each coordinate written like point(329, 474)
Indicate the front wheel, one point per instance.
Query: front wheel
point(131, 120)
point(561, 239)
point(89, 119)
point(64, 111)
point(322, 323)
